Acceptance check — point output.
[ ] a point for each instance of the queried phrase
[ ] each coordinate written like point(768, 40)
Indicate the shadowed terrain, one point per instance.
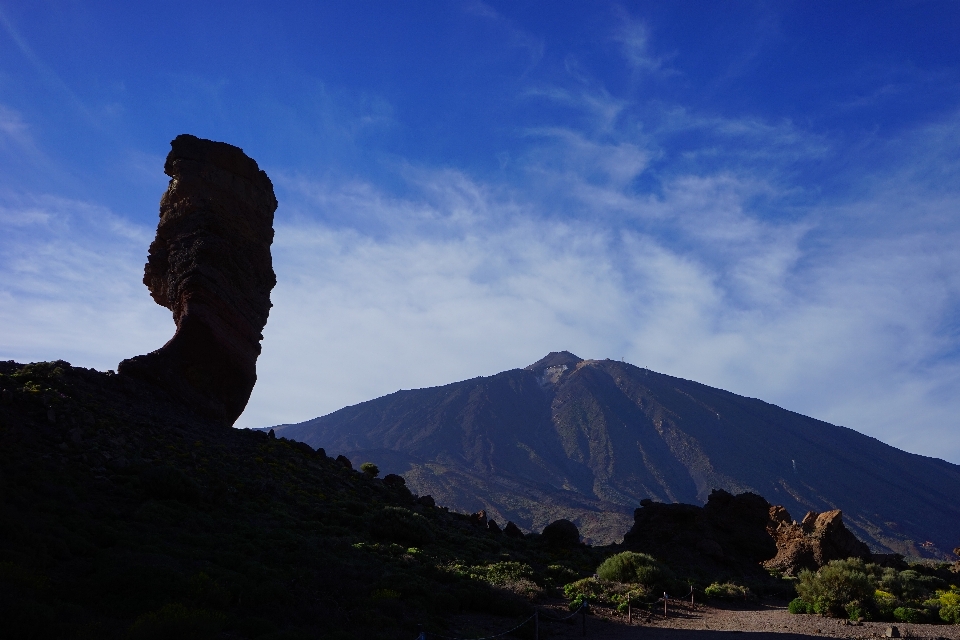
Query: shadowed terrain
point(589, 439)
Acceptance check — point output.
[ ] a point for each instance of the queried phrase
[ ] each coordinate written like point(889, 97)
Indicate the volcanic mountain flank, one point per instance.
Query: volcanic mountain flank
point(588, 440)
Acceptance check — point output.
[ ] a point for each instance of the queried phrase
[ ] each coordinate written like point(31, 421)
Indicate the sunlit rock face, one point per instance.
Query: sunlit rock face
point(210, 264)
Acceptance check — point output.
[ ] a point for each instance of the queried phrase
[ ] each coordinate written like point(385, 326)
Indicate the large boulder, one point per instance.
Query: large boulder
point(729, 532)
point(818, 539)
point(561, 533)
point(210, 264)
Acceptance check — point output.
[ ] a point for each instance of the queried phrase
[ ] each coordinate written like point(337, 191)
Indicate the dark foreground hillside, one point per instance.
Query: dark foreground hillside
point(589, 439)
point(124, 516)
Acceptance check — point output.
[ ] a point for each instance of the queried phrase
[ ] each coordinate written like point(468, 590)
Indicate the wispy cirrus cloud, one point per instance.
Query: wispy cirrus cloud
point(70, 280)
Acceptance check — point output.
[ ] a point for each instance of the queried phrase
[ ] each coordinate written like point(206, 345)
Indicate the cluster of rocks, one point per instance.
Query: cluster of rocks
point(729, 531)
point(480, 520)
point(744, 532)
point(818, 539)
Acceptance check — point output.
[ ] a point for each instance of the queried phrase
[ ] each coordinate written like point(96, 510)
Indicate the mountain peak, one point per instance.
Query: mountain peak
point(554, 359)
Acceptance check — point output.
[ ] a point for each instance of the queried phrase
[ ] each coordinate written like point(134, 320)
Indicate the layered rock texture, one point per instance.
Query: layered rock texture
point(210, 264)
point(587, 440)
point(820, 538)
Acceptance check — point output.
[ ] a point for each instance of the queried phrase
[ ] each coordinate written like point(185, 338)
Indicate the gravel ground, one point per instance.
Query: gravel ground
point(771, 620)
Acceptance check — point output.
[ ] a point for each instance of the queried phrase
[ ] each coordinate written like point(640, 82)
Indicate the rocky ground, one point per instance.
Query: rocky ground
point(708, 622)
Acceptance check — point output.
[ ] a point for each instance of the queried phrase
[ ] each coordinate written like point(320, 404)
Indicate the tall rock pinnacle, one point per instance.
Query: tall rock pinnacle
point(210, 264)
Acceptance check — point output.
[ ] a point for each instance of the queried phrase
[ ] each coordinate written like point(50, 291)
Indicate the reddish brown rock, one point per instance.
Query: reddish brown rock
point(820, 538)
point(210, 264)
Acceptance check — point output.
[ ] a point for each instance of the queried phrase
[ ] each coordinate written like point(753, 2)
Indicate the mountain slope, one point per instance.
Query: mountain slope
point(588, 439)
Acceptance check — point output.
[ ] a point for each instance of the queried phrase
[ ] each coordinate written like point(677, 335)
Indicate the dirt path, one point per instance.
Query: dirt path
point(772, 620)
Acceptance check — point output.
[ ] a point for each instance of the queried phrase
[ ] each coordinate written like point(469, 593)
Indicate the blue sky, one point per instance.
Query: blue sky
point(762, 197)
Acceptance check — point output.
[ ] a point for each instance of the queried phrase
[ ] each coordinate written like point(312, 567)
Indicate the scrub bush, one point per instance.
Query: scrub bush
point(797, 605)
point(634, 568)
point(950, 606)
point(727, 590)
point(836, 585)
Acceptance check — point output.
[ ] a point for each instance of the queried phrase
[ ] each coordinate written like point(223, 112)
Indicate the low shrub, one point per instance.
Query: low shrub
point(727, 591)
point(797, 605)
point(635, 568)
point(370, 469)
point(589, 589)
point(504, 573)
point(857, 611)
point(916, 586)
point(949, 606)
point(885, 603)
point(907, 614)
point(836, 585)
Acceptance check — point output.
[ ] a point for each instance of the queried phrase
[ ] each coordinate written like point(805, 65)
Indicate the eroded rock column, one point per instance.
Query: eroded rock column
point(210, 264)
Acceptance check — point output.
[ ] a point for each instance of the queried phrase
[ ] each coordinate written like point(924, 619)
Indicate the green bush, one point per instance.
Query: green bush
point(634, 568)
point(589, 589)
point(856, 611)
point(797, 605)
point(907, 614)
point(885, 602)
point(727, 590)
point(370, 469)
point(401, 525)
point(504, 573)
point(950, 606)
point(836, 585)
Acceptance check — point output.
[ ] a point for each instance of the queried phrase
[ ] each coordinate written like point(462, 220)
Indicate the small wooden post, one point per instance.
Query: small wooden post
point(629, 613)
point(665, 598)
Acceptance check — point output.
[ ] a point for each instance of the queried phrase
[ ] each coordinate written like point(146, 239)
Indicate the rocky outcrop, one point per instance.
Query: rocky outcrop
point(561, 533)
point(742, 532)
point(820, 538)
point(210, 264)
point(729, 532)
